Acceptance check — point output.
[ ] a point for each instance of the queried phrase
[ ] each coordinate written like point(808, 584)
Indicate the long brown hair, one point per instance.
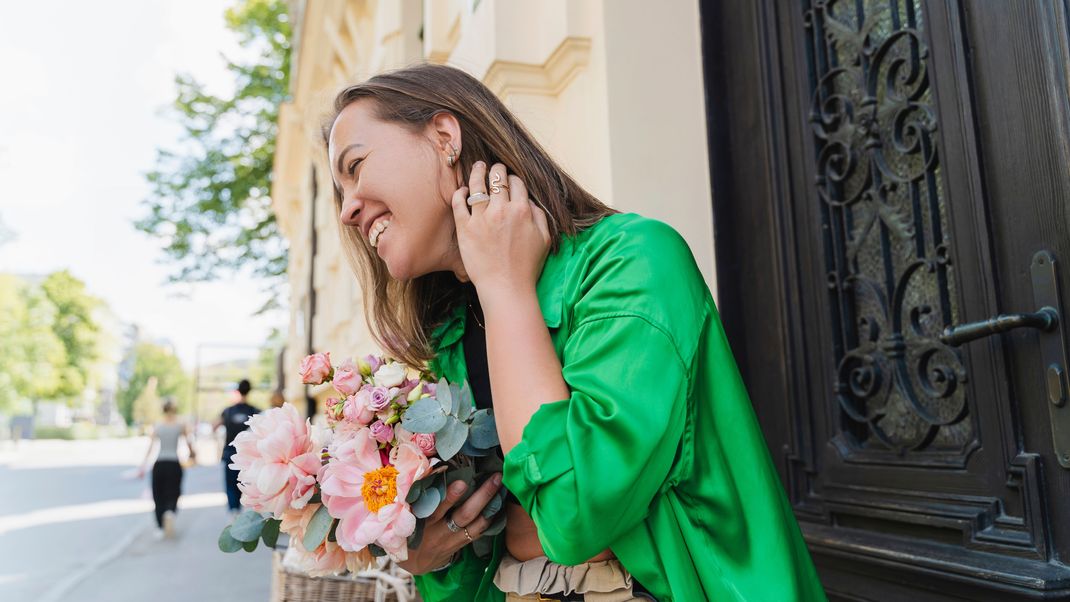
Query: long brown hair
point(402, 315)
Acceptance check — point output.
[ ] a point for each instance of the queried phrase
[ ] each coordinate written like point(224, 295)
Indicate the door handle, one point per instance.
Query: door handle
point(1054, 354)
point(1045, 320)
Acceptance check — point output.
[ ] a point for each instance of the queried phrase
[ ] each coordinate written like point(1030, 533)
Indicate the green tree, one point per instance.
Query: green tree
point(32, 357)
point(210, 203)
point(75, 327)
point(159, 366)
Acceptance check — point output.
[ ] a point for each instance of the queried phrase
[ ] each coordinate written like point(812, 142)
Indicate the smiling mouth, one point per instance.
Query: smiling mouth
point(377, 229)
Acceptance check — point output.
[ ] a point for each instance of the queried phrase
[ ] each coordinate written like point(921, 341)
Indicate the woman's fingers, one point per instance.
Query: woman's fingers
point(499, 185)
point(477, 185)
point(460, 206)
point(472, 508)
point(453, 494)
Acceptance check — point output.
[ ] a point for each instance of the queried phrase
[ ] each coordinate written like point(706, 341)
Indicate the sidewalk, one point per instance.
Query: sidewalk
point(190, 567)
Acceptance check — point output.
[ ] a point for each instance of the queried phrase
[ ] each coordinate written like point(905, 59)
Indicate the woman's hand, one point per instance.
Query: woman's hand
point(439, 543)
point(503, 241)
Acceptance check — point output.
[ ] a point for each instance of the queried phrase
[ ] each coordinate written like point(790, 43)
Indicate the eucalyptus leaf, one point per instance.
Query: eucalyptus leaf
point(467, 474)
point(250, 545)
point(376, 550)
point(484, 433)
point(415, 491)
point(227, 543)
point(427, 503)
point(450, 438)
point(332, 534)
point(467, 405)
point(491, 462)
point(270, 534)
point(495, 504)
point(443, 395)
point(318, 528)
point(247, 526)
point(417, 536)
point(496, 526)
point(469, 450)
point(423, 416)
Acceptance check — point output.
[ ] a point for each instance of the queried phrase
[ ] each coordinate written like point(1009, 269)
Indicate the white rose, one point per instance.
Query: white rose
point(389, 375)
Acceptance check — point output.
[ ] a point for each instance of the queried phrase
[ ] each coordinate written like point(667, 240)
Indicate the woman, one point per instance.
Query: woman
point(167, 471)
point(634, 463)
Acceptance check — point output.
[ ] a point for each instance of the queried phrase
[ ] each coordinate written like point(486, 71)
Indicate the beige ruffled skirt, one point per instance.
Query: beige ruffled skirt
point(603, 581)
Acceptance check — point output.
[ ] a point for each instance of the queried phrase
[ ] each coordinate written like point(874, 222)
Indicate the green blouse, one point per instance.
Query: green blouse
point(657, 454)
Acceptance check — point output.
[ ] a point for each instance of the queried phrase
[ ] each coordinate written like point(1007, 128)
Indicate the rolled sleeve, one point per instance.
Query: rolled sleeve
point(587, 468)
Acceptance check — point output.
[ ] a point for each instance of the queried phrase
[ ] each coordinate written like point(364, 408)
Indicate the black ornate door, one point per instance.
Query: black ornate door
point(884, 170)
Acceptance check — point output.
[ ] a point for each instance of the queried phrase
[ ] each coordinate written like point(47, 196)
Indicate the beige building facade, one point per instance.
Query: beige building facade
point(612, 88)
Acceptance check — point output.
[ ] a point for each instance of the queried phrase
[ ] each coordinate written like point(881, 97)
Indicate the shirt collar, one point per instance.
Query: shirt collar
point(549, 289)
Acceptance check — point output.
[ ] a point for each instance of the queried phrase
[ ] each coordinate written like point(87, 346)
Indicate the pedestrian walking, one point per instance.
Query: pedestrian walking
point(234, 418)
point(166, 470)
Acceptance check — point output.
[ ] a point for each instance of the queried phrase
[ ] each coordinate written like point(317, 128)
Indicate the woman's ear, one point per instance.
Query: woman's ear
point(446, 132)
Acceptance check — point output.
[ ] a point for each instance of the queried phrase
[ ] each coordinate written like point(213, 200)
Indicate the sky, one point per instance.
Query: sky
point(84, 88)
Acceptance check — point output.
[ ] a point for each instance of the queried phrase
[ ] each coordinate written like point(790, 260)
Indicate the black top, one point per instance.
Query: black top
point(474, 344)
point(475, 356)
point(234, 419)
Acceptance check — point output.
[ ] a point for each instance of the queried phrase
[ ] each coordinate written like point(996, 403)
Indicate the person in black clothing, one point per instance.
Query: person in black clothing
point(234, 418)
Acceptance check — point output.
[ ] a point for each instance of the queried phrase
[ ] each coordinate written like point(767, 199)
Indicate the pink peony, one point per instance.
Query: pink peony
point(368, 495)
point(328, 558)
point(347, 378)
point(276, 461)
point(316, 368)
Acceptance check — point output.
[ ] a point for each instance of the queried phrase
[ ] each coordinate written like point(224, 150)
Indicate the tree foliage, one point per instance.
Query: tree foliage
point(32, 356)
point(157, 374)
point(73, 325)
point(209, 202)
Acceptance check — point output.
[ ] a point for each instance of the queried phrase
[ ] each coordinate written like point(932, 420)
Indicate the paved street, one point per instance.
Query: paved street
point(76, 525)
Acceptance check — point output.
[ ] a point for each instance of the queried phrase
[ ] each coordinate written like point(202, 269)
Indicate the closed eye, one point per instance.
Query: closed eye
point(353, 167)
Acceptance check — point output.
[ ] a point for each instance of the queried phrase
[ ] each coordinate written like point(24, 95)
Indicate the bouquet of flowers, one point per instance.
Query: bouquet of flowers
point(360, 487)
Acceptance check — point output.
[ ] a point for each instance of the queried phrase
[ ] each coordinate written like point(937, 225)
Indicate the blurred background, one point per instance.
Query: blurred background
point(166, 230)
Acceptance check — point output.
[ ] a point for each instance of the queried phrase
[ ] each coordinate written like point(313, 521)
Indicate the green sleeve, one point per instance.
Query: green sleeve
point(588, 467)
point(458, 583)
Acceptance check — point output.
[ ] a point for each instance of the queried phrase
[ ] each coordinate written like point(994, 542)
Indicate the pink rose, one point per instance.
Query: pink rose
point(355, 408)
point(426, 443)
point(347, 378)
point(379, 400)
point(316, 368)
point(382, 432)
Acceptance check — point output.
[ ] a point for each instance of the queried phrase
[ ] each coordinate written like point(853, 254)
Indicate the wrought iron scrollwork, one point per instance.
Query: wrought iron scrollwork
point(889, 272)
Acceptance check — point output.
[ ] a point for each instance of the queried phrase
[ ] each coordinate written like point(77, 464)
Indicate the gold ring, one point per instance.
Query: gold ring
point(496, 184)
point(465, 529)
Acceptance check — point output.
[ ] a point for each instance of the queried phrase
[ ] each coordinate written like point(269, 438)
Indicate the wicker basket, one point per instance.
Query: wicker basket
point(288, 585)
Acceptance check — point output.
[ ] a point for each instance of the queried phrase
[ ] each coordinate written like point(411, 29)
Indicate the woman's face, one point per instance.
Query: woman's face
point(396, 189)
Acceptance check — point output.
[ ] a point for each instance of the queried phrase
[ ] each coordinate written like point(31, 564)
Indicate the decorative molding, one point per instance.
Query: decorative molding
point(549, 79)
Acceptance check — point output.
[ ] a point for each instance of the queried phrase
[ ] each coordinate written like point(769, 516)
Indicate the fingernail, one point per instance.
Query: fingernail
point(457, 487)
point(479, 164)
point(496, 479)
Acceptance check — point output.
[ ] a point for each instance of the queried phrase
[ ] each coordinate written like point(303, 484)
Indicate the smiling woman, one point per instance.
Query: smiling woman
point(593, 337)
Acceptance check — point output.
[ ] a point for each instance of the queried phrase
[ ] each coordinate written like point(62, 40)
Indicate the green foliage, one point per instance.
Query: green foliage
point(157, 374)
point(73, 324)
point(210, 203)
point(32, 356)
